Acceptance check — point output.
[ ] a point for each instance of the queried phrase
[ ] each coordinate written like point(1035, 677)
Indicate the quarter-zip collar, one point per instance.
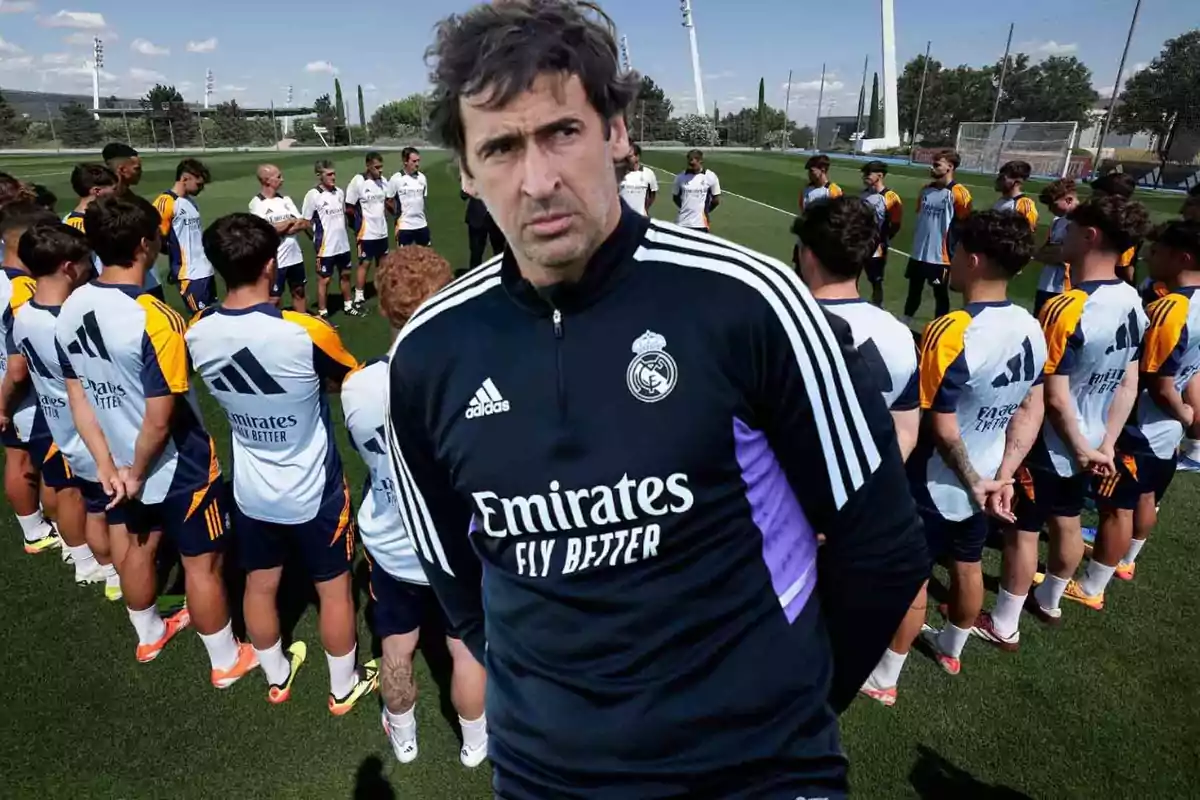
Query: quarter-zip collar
point(605, 269)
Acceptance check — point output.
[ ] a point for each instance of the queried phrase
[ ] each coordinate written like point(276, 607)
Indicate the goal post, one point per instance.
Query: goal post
point(985, 146)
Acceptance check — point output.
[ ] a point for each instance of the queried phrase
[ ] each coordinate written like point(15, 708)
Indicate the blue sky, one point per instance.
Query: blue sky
point(256, 48)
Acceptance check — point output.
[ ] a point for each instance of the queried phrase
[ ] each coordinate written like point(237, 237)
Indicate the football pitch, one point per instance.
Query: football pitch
point(1105, 706)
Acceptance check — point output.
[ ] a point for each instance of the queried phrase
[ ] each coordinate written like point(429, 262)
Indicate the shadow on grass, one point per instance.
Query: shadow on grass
point(935, 778)
point(370, 783)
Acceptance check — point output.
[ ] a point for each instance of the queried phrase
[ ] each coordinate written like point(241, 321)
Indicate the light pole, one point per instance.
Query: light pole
point(97, 63)
point(208, 86)
point(626, 61)
point(287, 120)
point(685, 6)
point(891, 101)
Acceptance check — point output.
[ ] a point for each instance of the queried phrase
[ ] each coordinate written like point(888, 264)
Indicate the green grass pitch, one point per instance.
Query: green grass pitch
point(1106, 706)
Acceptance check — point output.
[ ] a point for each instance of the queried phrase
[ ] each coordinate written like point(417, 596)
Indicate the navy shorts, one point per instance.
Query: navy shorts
point(373, 248)
point(1041, 494)
point(1135, 476)
point(933, 274)
point(399, 607)
point(961, 540)
point(294, 275)
point(198, 294)
point(9, 438)
point(875, 267)
point(48, 460)
point(95, 501)
point(329, 264)
point(325, 543)
point(195, 521)
point(419, 236)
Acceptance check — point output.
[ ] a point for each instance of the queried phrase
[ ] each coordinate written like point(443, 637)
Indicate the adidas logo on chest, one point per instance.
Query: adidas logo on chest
point(486, 402)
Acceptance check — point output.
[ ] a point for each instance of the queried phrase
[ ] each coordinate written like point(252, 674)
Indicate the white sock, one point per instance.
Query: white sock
point(887, 671)
point(347, 305)
point(474, 732)
point(221, 646)
point(85, 560)
point(1050, 593)
point(402, 727)
point(148, 624)
point(274, 664)
point(1135, 547)
point(34, 526)
point(1006, 616)
point(110, 572)
point(343, 673)
point(952, 639)
point(359, 297)
point(1096, 578)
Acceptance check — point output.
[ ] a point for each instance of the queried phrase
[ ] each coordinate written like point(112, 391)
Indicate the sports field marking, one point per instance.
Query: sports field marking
point(760, 203)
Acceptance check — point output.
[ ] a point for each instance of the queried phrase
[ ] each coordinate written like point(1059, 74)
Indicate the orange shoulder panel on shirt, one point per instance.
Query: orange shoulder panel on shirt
point(962, 201)
point(1060, 319)
point(835, 190)
point(941, 344)
point(165, 328)
point(23, 287)
point(1168, 317)
point(1127, 257)
point(1026, 208)
point(323, 336)
point(165, 204)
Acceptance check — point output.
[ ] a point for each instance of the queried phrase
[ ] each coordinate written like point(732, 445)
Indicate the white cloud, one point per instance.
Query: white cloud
point(15, 63)
point(370, 87)
point(206, 46)
point(716, 76)
point(146, 75)
point(83, 20)
point(831, 85)
point(229, 87)
point(85, 39)
point(1105, 92)
point(320, 66)
point(1138, 67)
point(57, 58)
point(80, 74)
point(148, 48)
point(183, 86)
point(1050, 48)
point(8, 48)
point(15, 7)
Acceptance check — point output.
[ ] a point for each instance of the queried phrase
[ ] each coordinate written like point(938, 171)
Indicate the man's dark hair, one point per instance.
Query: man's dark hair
point(44, 197)
point(948, 155)
point(193, 167)
point(408, 151)
point(116, 226)
point(1016, 170)
point(117, 151)
point(1056, 190)
point(239, 246)
point(818, 162)
point(13, 190)
point(322, 165)
point(842, 233)
point(373, 155)
point(1006, 240)
point(86, 177)
point(874, 166)
point(697, 154)
point(1122, 222)
point(1117, 184)
point(23, 215)
point(48, 244)
point(1178, 234)
point(637, 150)
point(495, 51)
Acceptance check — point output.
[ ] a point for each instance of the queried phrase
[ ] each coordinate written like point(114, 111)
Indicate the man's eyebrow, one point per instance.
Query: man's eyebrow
point(513, 138)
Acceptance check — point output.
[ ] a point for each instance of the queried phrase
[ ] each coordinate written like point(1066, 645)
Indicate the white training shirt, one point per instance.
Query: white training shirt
point(886, 344)
point(695, 191)
point(636, 186)
point(1054, 276)
point(364, 401)
point(183, 232)
point(368, 197)
point(326, 210)
point(16, 289)
point(978, 363)
point(276, 210)
point(410, 192)
point(266, 367)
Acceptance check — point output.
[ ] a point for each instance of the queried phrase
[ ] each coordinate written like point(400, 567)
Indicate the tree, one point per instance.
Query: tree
point(802, 137)
point(326, 116)
point(650, 113)
point(716, 115)
point(1162, 97)
point(362, 114)
point(743, 127)
point(400, 119)
point(339, 104)
point(12, 125)
point(760, 132)
point(696, 130)
point(230, 126)
point(169, 114)
point(875, 120)
point(78, 127)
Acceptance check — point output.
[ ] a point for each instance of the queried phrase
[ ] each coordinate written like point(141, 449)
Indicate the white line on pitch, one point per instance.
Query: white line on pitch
point(764, 205)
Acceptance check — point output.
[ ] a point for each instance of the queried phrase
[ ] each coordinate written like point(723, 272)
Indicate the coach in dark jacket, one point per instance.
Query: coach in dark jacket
point(480, 228)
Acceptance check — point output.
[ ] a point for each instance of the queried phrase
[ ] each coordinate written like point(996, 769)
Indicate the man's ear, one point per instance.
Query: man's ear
point(465, 178)
point(618, 138)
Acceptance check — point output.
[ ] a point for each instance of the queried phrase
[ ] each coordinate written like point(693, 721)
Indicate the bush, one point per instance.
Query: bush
point(696, 130)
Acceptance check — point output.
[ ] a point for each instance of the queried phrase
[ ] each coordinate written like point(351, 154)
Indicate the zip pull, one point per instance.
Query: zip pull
point(556, 317)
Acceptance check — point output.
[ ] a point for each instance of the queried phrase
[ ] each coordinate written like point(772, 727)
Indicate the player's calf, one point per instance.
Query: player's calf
point(468, 687)
point(399, 692)
point(21, 487)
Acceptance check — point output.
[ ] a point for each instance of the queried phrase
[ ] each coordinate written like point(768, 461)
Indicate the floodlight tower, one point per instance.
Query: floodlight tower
point(626, 63)
point(208, 86)
point(891, 103)
point(685, 6)
point(97, 63)
point(287, 121)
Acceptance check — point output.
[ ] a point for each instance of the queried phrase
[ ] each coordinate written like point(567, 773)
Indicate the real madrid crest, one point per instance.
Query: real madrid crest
point(652, 373)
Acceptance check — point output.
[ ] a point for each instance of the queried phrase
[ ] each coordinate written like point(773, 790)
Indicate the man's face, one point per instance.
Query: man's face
point(816, 176)
point(1078, 242)
point(544, 167)
point(375, 168)
point(635, 162)
point(192, 184)
point(695, 164)
point(1065, 205)
point(152, 247)
point(327, 178)
point(1004, 184)
point(940, 169)
point(102, 191)
point(130, 171)
point(412, 164)
point(961, 266)
point(1165, 263)
point(79, 272)
point(872, 180)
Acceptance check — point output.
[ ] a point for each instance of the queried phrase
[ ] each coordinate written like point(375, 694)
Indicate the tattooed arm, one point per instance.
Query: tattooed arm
point(947, 438)
point(1022, 432)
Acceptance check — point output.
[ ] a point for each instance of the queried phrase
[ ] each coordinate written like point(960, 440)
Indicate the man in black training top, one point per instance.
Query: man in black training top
point(615, 449)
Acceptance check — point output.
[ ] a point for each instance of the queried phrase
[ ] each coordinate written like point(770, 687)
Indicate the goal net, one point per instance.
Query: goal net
point(985, 146)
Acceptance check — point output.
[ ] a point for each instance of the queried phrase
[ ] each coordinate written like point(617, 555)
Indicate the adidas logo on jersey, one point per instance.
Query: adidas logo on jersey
point(487, 401)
